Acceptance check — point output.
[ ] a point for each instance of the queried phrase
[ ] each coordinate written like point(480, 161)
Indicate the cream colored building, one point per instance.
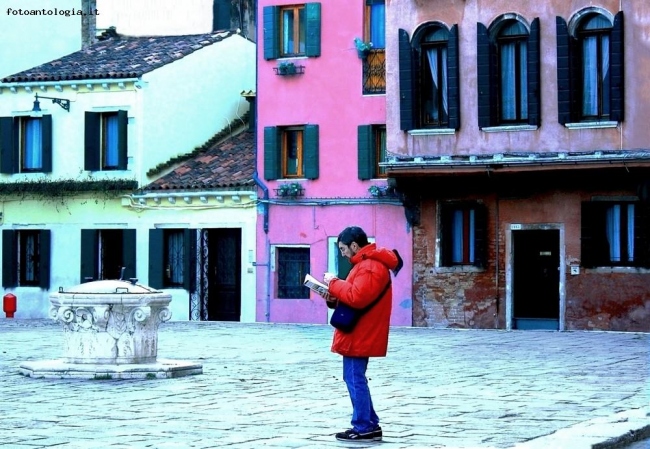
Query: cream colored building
point(113, 119)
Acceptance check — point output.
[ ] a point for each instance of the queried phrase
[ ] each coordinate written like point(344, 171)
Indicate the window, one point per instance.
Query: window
point(508, 59)
point(462, 234)
point(106, 141)
point(291, 31)
point(590, 67)
point(371, 151)
point(26, 144)
point(292, 266)
point(613, 234)
point(26, 258)
point(171, 257)
point(429, 82)
point(374, 65)
point(291, 152)
point(106, 252)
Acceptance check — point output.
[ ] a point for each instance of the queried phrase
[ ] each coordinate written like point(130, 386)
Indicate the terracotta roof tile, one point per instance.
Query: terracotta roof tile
point(228, 164)
point(118, 57)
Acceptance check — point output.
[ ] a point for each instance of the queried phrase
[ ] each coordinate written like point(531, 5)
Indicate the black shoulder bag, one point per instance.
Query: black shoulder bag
point(345, 318)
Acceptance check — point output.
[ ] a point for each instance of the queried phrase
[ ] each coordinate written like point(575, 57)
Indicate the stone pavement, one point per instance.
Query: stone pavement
point(279, 386)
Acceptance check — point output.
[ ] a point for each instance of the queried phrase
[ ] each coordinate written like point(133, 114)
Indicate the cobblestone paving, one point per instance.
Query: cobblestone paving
point(279, 386)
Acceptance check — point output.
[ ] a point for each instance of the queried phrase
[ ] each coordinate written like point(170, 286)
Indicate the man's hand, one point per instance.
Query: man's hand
point(328, 277)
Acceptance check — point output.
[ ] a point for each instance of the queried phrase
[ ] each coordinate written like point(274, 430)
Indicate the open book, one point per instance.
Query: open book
point(313, 284)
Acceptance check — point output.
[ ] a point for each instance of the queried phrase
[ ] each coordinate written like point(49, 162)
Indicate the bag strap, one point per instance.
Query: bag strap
point(381, 295)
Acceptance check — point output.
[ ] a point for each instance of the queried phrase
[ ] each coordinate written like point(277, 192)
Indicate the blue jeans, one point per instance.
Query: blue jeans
point(364, 418)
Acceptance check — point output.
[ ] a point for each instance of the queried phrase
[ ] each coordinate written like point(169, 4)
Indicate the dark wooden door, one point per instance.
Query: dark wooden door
point(224, 274)
point(536, 279)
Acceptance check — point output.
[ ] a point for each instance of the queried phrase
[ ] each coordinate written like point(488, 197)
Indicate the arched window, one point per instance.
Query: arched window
point(594, 34)
point(434, 109)
point(512, 49)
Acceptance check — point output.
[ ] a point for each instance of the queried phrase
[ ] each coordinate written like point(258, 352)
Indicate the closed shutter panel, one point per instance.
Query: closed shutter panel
point(563, 71)
point(534, 91)
point(406, 83)
point(91, 142)
point(271, 20)
point(480, 236)
point(221, 15)
point(156, 258)
point(9, 259)
point(128, 253)
point(617, 81)
point(366, 152)
point(642, 234)
point(45, 245)
point(343, 264)
point(312, 38)
point(122, 139)
point(445, 235)
point(453, 78)
point(310, 148)
point(88, 255)
point(189, 264)
point(272, 153)
point(7, 150)
point(594, 248)
point(484, 79)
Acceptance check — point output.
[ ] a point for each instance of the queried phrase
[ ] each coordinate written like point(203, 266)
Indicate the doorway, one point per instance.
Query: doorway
point(224, 274)
point(536, 279)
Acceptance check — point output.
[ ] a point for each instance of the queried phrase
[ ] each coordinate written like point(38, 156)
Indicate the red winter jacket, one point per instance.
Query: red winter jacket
point(369, 276)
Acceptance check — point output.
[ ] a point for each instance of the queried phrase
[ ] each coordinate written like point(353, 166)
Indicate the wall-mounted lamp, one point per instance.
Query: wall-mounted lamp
point(65, 104)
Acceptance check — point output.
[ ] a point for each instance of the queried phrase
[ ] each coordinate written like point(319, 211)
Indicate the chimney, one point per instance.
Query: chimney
point(88, 23)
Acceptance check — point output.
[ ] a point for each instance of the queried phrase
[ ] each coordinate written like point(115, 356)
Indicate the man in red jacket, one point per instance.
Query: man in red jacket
point(367, 283)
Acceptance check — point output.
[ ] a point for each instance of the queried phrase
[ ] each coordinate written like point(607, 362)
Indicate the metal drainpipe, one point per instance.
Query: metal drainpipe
point(265, 209)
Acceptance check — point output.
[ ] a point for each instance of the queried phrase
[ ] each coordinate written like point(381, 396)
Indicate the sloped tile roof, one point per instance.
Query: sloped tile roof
point(119, 57)
point(228, 164)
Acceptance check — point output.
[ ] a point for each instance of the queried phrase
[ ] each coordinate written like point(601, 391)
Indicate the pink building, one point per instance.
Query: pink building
point(321, 124)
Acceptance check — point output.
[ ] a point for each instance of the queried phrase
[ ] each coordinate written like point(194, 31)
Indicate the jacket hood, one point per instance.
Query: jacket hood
point(383, 255)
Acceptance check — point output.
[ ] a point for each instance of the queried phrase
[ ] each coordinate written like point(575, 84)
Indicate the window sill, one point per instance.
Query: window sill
point(509, 128)
point(620, 270)
point(591, 125)
point(432, 132)
point(458, 269)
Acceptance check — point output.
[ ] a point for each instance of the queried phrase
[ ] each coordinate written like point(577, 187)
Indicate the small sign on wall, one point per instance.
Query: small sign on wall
point(515, 227)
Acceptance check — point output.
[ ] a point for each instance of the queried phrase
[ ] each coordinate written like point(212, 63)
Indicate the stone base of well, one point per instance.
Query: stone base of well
point(59, 369)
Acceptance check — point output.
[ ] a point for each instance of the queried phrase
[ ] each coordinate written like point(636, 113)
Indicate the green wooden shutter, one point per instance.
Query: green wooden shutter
point(220, 15)
point(534, 87)
point(310, 149)
point(88, 255)
point(406, 82)
point(156, 258)
point(91, 142)
point(484, 79)
point(272, 153)
point(128, 253)
point(9, 259)
point(343, 265)
point(122, 139)
point(616, 65)
point(563, 71)
point(45, 245)
point(7, 150)
point(189, 264)
point(46, 140)
point(366, 152)
point(480, 236)
point(453, 78)
point(313, 29)
point(271, 21)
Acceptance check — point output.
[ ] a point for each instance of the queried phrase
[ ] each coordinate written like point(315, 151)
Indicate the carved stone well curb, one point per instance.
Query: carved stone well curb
point(110, 331)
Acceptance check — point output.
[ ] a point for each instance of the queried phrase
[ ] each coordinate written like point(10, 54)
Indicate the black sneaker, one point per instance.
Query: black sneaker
point(353, 435)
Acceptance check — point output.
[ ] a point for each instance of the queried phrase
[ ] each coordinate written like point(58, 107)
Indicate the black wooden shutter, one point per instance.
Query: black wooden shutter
point(220, 15)
point(480, 236)
point(617, 65)
point(642, 234)
point(7, 150)
point(445, 234)
point(122, 139)
point(484, 76)
point(88, 255)
point(594, 248)
point(9, 259)
point(313, 25)
point(189, 264)
point(453, 78)
point(366, 152)
point(46, 140)
point(310, 151)
point(91, 139)
point(271, 20)
point(156, 258)
point(272, 153)
point(128, 253)
point(534, 91)
point(406, 83)
point(45, 245)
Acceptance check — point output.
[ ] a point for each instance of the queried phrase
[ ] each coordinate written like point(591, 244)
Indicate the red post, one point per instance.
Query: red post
point(9, 304)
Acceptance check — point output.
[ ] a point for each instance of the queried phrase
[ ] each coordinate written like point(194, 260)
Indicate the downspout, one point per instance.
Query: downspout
point(496, 269)
point(267, 244)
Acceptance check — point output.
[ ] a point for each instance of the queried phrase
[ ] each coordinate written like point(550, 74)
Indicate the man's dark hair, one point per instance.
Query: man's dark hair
point(353, 234)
